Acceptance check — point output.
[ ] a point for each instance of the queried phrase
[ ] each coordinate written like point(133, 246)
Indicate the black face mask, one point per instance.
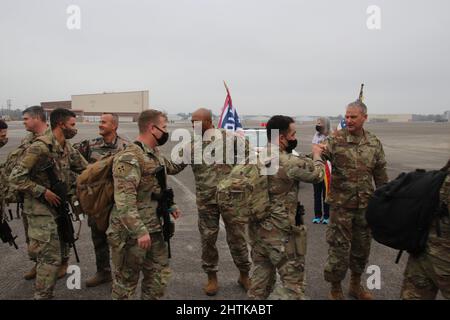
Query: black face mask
point(69, 133)
point(319, 128)
point(163, 139)
point(292, 144)
point(3, 142)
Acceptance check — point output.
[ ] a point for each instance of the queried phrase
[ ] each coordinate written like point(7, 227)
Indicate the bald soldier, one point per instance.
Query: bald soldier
point(107, 144)
point(207, 177)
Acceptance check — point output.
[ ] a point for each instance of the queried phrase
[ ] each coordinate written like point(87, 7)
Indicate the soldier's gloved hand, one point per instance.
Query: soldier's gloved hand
point(145, 241)
point(176, 213)
point(52, 198)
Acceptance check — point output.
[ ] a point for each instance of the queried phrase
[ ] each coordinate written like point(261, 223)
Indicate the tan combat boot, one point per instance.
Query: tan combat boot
point(336, 291)
point(63, 269)
point(99, 278)
point(244, 280)
point(356, 290)
point(30, 275)
point(212, 286)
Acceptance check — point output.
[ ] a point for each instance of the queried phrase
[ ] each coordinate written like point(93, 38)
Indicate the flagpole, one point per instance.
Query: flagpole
point(228, 91)
point(224, 107)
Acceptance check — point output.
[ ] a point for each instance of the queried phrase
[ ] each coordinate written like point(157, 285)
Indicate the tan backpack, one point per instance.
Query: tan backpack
point(95, 190)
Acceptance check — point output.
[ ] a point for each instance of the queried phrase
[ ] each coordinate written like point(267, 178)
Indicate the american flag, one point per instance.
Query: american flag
point(229, 118)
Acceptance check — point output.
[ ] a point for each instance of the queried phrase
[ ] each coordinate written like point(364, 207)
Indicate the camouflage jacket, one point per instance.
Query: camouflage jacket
point(284, 186)
point(134, 211)
point(31, 178)
point(356, 163)
point(208, 174)
point(95, 149)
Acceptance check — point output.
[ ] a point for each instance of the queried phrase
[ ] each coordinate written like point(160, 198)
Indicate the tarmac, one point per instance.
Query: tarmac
point(407, 146)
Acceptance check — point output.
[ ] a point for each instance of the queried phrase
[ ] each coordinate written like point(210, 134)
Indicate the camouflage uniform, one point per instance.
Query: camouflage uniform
point(30, 178)
point(429, 272)
point(24, 144)
point(278, 244)
point(356, 163)
point(2, 190)
point(94, 150)
point(207, 177)
point(134, 215)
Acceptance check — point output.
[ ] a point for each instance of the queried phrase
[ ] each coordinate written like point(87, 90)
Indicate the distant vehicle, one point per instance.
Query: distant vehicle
point(257, 137)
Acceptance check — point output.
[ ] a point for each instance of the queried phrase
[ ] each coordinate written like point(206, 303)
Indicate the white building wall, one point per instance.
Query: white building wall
point(120, 102)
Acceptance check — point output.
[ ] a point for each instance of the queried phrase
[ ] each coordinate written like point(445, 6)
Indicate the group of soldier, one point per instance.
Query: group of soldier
point(277, 246)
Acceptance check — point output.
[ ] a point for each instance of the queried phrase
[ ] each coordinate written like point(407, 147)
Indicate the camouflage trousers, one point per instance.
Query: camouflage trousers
point(129, 260)
point(101, 247)
point(65, 248)
point(45, 249)
point(272, 277)
point(208, 225)
point(349, 239)
point(429, 272)
point(275, 251)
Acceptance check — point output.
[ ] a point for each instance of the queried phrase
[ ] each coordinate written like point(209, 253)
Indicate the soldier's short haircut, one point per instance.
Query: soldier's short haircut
point(149, 116)
point(60, 115)
point(115, 116)
point(3, 124)
point(280, 123)
point(358, 104)
point(35, 112)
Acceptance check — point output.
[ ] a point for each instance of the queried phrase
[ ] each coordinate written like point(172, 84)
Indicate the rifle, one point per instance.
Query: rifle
point(6, 234)
point(19, 208)
point(299, 214)
point(165, 201)
point(63, 217)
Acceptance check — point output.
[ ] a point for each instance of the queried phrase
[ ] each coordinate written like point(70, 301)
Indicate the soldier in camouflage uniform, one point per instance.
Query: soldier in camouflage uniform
point(93, 150)
point(280, 244)
point(3, 142)
point(35, 122)
point(207, 177)
point(134, 232)
point(49, 150)
point(429, 272)
point(3, 133)
point(357, 159)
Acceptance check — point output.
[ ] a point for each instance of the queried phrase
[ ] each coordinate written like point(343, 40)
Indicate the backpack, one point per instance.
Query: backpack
point(243, 194)
point(400, 212)
point(95, 190)
point(9, 194)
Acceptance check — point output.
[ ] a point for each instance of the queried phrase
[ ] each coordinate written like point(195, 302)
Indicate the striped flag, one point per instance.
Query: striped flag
point(327, 178)
point(229, 118)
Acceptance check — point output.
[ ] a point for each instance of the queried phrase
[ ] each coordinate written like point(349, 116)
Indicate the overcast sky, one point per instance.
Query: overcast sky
point(289, 57)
